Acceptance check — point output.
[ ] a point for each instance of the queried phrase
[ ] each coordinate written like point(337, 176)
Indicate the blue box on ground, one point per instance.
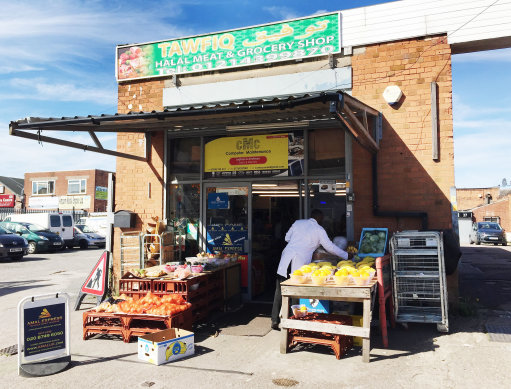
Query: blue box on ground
point(316, 306)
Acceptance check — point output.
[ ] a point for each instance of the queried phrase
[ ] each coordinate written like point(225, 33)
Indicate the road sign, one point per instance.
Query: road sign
point(96, 282)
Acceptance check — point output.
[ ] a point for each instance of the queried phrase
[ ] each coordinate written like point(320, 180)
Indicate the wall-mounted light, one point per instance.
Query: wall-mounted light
point(392, 94)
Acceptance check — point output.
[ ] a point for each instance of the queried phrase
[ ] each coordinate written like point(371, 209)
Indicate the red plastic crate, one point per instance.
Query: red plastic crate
point(132, 325)
point(187, 288)
point(135, 286)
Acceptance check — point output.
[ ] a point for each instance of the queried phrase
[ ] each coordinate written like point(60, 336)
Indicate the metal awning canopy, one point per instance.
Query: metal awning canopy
point(325, 109)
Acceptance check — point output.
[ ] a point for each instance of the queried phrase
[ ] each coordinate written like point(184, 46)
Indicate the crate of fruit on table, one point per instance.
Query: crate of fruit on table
point(129, 317)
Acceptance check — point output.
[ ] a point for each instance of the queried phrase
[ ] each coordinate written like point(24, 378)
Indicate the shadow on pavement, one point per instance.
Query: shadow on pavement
point(485, 275)
point(252, 319)
point(26, 258)
point(17, 286)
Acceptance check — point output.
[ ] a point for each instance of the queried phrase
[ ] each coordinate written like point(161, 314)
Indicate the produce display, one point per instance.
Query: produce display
point(352, 250)
point(150, 304)
point(346, 272)
point(373, 241)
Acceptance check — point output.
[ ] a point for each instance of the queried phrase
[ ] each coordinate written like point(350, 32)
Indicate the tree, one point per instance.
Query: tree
point(504, 182)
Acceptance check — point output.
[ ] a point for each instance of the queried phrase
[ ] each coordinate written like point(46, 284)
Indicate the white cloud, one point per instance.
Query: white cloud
point(26, 155)
point(502, 55)
point(70, 31)
point(7, 69)
point(281, 12)
point(42, 89)
point(482, 156)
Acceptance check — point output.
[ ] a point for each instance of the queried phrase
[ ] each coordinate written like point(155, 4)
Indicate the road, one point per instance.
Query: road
point(63, 271)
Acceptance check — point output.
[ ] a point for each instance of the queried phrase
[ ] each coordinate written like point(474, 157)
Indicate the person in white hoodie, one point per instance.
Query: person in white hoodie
point(304, 236)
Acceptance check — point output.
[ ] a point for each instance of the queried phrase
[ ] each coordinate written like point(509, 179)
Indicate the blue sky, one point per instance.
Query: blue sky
point(59, 61)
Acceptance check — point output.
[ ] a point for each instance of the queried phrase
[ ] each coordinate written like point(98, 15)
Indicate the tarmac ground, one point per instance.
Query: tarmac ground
point(418, 356)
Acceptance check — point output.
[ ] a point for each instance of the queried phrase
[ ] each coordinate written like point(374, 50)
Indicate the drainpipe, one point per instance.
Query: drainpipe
point(376, 208)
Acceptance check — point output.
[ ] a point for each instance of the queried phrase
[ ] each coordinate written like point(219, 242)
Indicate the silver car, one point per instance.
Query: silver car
point(85, 237)
point(487, 232)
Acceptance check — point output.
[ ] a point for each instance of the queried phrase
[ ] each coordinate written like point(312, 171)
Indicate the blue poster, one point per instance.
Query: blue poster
point(227, 238)
point(218, 201)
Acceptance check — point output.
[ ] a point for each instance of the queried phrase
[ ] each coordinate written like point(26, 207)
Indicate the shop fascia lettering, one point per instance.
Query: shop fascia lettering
point(300, 38)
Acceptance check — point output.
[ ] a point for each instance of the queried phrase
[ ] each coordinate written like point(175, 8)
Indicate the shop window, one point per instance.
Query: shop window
point(184, 158)
point(326, 152)
point(77, 186)
point(43, 187)
point(259, 155)
point(184, 214)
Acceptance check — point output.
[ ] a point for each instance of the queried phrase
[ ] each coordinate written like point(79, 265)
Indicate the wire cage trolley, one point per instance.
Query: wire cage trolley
point(420, 289)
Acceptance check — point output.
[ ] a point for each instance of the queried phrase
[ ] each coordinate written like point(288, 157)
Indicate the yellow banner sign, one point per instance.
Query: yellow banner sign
point(256, 155)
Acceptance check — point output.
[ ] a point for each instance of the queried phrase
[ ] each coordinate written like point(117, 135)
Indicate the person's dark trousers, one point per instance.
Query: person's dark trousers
point(277, 302)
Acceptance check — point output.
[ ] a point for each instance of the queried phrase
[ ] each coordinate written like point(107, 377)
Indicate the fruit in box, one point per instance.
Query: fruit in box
point(373, 242)
point(298, 272)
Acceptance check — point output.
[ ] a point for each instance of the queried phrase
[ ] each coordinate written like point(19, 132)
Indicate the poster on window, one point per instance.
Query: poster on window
point(254, 156)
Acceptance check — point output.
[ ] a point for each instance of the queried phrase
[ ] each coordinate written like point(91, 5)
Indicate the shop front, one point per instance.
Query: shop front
point(239, 194)
point(230, 137)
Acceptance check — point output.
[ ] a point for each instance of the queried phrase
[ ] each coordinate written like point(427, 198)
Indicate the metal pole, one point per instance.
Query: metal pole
point(110, 216)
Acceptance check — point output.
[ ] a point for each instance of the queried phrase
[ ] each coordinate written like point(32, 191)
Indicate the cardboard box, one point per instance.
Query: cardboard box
point(165, 346)
point(317, 306)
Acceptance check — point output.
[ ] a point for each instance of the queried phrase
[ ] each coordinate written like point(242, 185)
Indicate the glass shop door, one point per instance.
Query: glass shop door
point(228, 221)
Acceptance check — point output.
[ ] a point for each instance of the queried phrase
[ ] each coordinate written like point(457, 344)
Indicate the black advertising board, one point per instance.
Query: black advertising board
point(43, 334)
point(45, 329)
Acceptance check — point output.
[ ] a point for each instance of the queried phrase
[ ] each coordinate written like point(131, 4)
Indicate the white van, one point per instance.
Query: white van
point(59, 223)
point(97, 222)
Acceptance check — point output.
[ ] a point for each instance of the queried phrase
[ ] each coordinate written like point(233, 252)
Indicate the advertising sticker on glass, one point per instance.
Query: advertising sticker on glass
point(289, 40)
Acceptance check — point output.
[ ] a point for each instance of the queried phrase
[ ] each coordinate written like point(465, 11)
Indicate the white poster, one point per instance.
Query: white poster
point(76, 202)
point(327, 186)
point(43, 202)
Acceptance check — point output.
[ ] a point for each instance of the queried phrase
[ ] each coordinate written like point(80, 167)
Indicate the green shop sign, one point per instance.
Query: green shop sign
point(290, 40)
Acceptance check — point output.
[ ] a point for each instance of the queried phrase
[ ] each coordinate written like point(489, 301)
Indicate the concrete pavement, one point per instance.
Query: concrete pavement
point(418, 357)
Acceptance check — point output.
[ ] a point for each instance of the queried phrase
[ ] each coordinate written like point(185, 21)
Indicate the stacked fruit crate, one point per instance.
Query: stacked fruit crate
point(129, 326)
point(205, 292)
point(420, 289)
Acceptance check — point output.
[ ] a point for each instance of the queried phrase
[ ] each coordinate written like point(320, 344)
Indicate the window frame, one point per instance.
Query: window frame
point(80, 181)
point(47, 182)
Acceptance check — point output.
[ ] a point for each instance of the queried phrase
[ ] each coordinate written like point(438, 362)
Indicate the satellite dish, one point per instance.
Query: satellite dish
point(392, 94)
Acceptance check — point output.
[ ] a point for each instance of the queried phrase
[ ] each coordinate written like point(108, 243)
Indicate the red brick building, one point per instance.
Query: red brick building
point(231, 136)
point(79, 190)
point(11, 192)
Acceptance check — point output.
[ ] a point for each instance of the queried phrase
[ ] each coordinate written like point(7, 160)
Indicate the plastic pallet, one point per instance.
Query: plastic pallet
point(340, 344)
point(129, 325)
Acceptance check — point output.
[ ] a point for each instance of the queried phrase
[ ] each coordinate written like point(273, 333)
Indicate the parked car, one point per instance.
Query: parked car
point(85, 237)
point(39, 238)
point(12, 245)
point(488, 232)
point(59, 223)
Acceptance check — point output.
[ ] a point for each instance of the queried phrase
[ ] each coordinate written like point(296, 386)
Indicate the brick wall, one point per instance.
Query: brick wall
point(133, 178)
point(500, 208)
point(94, 178)
point(468, 198)
point(408, 178)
